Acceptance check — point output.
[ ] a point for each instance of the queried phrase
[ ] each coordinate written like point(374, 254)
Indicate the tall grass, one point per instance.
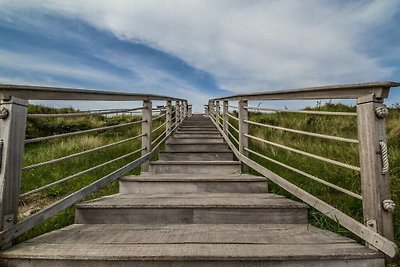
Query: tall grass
point(344, 152)
point(56, 148)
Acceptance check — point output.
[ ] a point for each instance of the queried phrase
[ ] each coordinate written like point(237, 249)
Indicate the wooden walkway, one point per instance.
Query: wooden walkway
point(194, 208)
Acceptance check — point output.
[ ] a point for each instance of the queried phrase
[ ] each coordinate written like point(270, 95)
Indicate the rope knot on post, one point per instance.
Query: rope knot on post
point(389, 205)
point(381, 112)
point(3, 113)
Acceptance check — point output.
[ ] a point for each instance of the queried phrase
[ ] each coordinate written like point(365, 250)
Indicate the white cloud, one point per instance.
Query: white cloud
point(247, 45)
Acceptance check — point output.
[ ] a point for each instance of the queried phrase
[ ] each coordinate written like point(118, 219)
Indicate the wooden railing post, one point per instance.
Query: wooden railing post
point(375, 187)
point(211, 109)
point(217, 113)
point(243, 129)
point(146, 130)
point(190, 111)
point(13, 114)
point(225, 117)
point(185, 109)
point(168, 118)
point(177, 113)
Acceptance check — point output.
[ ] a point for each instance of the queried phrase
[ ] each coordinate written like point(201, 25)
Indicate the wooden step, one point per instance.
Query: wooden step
point(173, 140)
point(194, 147)
point(195, 127)
point(197, 156)
point(196, 135)
point(196, 167)
point(198, 129)
point(197, 132)
point(199, 245)
point(182, 184)
point(192, 208)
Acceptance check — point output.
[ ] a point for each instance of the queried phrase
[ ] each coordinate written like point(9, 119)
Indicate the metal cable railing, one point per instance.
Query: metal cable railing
point(46, 138)
point(80, 173)
point(36, 165)
point(372, 151)
point(119, 159)
point(312, 112)
point(325, 136)
point(335, 162)
point(343, 190)
point(231, 116)
point(233, 127)
point(83, 113)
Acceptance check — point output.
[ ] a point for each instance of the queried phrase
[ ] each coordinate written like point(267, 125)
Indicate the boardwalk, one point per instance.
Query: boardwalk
point(193, 208)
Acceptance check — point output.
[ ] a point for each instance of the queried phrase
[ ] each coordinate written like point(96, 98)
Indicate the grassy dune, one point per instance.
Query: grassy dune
point(56, 148)
point(332, 125)
point(344, 152)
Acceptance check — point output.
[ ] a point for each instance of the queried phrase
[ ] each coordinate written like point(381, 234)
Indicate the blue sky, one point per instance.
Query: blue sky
point(199, 49)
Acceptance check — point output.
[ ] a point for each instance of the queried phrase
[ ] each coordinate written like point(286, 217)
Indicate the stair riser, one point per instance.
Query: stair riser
point(196, 140)
point(197, 124)
point(196, 263)
point(189, 215)
point(194, 148)
point(198, 129)
point(195, 169)
point(126, 187)
point(201, 136)
point(197, 132)
point(180, 156)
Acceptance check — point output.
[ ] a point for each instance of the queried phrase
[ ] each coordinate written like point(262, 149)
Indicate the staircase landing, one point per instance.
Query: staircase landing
point(194, 208)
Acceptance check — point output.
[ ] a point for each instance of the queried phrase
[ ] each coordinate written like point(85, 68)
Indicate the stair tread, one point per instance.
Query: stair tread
point(193, 177)
point(209, 151)
point(190, 242)
point(181, 162)
point(203, 200)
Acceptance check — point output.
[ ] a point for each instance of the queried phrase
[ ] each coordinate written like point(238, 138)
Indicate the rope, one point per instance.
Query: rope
point(330, 137)
point(233, 127)
point(159, 127)
point(381, 112)
point(307, 175)
point(34, 140)
point(80, 153)
point(385, 159)
point(234, 138)
point(158, 137)
point(85, 113)
point(80, 173)
point(338, 163)
point(233, 117)
point(156, 118)
point(306, 111)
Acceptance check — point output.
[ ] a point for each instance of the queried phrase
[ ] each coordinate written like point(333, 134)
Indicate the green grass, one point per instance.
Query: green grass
point(332, 125)
point(344, 152)
point(56, 148)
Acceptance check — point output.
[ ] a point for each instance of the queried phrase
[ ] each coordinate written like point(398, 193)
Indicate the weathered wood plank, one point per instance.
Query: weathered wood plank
point(380, 242)
point(375, 184)
point(146, 131)
point(12, 137)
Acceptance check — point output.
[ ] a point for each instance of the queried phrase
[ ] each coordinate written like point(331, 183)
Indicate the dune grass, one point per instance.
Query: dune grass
point(56, 148)
point(344, 152)
point(332, 125)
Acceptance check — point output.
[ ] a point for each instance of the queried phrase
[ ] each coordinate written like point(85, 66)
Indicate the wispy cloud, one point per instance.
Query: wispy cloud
point(244, 45)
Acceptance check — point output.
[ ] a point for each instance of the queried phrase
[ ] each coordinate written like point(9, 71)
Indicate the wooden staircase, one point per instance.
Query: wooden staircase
point(193, 208)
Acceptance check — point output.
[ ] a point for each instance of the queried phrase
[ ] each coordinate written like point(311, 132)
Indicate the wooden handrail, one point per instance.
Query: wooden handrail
point(13, 108)
point(60, 93)
point(371, 125)
point(344, 91)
